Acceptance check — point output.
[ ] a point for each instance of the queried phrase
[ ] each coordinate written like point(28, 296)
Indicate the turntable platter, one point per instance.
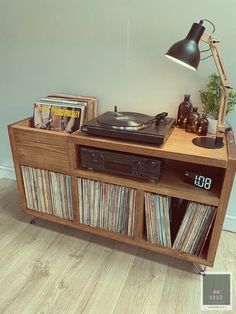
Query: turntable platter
point(129, 121)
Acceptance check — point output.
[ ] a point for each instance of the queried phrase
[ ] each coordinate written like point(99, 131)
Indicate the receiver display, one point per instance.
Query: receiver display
point(110, 165)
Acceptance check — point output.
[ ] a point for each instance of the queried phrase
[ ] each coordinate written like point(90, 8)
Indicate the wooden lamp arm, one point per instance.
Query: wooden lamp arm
point(214, 46)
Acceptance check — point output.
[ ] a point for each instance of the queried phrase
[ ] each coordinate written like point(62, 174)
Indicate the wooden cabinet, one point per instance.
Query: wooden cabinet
point(37, 152)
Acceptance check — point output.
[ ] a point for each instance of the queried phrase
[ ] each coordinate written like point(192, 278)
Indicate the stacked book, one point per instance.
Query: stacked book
point(157, 210)
point(48, 192)
point(194, 228)
point(107, 206)
point(64, 112)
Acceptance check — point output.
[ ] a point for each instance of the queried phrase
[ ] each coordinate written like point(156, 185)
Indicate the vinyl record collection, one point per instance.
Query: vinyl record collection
point(157, 219)
point(63, 112)
point(194, 228)
point(112, 208)
point(48, 192)
point(107, 206)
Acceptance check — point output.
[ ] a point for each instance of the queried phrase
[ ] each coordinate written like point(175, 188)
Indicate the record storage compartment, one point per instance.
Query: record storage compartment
point(59, 154)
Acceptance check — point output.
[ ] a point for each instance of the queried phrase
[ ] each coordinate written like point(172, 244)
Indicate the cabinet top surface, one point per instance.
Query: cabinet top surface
point(178, 146)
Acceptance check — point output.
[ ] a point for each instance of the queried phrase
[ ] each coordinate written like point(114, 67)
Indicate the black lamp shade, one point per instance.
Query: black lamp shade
point(186, 51)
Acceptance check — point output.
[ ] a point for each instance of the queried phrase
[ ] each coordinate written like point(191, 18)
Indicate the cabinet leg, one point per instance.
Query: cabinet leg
point(200, 270)
point(33, 221)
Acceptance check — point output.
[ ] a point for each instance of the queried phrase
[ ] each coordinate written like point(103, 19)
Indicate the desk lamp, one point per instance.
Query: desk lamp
point(187, 53)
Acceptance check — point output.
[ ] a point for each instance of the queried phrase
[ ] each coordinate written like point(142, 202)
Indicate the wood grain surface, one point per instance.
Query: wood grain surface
point(51, 268)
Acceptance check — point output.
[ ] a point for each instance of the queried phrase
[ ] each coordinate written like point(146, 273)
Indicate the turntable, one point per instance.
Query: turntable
point(131, 126)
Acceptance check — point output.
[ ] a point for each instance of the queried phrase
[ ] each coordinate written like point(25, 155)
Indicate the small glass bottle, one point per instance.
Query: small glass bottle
point(184, 110)
point(193, 121)
point(203, 125)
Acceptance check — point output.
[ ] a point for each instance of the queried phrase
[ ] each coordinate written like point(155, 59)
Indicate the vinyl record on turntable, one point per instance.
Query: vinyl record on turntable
point(131, 126)
point(129, 121)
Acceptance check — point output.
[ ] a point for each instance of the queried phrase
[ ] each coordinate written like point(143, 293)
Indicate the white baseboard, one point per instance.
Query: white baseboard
point(7, 172)
point(230, 223)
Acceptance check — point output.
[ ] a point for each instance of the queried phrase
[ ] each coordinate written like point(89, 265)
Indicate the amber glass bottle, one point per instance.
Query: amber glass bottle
point(203, 125)
point(193, 121)
point(183, 112)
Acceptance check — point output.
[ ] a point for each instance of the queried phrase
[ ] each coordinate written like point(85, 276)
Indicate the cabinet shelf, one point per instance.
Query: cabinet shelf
point(60, 153)
point(178, 147)
point(170, 184)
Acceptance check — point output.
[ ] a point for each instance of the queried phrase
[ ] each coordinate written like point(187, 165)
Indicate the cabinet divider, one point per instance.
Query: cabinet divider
point(75, 199)
point(139, 216)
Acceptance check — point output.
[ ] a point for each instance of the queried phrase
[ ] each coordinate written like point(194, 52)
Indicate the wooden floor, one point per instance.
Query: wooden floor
point(48, 268)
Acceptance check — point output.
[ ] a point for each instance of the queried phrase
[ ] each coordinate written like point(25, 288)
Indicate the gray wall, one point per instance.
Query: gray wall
point(113, 49)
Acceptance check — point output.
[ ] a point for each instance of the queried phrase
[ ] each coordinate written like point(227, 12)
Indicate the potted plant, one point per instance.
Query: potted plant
point(210, 99)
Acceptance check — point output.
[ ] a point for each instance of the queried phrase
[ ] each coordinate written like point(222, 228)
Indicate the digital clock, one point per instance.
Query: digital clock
point(198, 180)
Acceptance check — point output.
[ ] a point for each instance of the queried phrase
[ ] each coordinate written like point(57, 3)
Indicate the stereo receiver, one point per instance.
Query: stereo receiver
point(121, 163)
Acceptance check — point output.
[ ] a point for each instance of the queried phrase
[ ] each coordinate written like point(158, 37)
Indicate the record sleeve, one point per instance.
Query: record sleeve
point(58, 117)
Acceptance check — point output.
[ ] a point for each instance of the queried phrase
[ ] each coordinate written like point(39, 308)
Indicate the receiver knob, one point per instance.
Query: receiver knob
point(91, 156)
point(151, 164)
